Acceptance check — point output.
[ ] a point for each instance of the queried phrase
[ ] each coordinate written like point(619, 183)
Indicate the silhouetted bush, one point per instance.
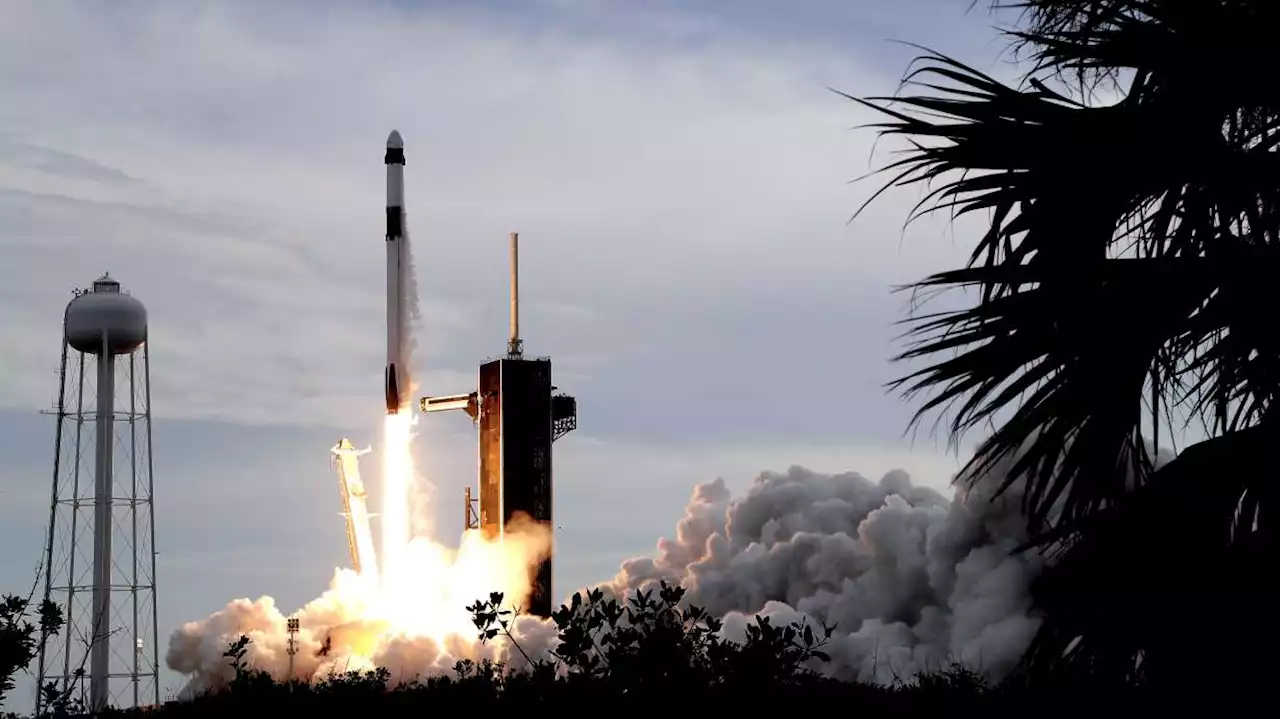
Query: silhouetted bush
point(649, 652)
point(20, 641)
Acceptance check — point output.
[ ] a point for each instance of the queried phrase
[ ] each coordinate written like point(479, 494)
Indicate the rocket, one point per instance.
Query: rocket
point(397, 374)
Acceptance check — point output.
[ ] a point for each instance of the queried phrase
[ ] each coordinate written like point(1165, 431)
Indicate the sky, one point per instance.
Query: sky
point(680, 176)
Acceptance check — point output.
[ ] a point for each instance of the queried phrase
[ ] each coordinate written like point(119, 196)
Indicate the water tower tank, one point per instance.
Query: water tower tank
point(104, 310)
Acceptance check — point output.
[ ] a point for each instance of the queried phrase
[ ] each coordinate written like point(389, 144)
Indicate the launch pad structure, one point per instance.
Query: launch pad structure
point(520, 415)
point(516, 408)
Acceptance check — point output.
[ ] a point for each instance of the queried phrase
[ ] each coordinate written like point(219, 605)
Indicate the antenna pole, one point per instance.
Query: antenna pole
point(466, 509)
point(294, 624)
point(515, 348)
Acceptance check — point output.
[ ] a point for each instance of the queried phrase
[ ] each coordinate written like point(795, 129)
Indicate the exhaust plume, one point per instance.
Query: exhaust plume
point(413, 320)
point(914, 581)
point(419, 629)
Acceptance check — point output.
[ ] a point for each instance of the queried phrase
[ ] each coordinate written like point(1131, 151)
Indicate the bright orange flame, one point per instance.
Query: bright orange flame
point(425, 586)
point(411, 615)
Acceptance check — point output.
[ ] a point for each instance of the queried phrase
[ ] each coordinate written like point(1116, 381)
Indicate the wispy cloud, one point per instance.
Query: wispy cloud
point(679, 182)
point(664, 191)
point(61, 164)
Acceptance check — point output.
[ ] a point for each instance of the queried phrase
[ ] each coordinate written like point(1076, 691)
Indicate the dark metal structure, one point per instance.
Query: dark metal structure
point(515, 453)
point(519, 415)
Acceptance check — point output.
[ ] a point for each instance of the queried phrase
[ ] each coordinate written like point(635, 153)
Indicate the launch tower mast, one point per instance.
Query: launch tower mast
point(519, 415)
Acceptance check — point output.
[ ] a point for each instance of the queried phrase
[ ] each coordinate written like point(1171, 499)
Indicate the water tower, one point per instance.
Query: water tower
point(99, 563)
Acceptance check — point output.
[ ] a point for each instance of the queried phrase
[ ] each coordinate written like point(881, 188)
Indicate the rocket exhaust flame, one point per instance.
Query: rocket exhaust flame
point(397, 481)
point(838, 548)
point(417, 602)
point(397, 460)
point(913, 580)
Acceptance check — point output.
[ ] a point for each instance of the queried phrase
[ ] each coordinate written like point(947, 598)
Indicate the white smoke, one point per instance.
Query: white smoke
point(419, 630)
point(421, 494)
point(411, 320)
point(410, 284)
point(333, 637)
point(914, 581)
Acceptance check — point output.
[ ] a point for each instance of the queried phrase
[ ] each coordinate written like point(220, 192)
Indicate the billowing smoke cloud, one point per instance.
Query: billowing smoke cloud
point(913, 580)
point(422, 630)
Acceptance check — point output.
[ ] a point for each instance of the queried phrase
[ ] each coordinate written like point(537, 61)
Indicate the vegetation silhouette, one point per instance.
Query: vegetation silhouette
point(20, 637)
point(21, 640)
point(1123, 284)
point(1131, 184)
point(649, 652)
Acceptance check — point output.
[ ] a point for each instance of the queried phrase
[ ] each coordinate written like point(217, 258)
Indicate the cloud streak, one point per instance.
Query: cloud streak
point(680, 185)
point(649, 178)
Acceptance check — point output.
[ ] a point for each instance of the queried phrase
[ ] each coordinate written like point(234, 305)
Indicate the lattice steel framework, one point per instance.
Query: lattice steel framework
point(120, 622)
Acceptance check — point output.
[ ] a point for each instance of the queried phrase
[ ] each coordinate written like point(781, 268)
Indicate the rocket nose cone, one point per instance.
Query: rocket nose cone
point(393, 140)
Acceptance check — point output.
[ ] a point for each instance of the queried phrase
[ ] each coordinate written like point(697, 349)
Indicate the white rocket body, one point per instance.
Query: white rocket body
point(397, 373)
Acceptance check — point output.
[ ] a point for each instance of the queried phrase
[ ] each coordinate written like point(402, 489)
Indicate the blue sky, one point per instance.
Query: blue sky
point(679, 177)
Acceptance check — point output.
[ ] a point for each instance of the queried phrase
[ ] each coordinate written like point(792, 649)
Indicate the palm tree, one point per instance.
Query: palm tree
point(1126, 280)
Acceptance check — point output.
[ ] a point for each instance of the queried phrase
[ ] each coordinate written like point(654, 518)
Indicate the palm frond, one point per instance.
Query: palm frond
point(1218, 50)
point(1139, 587)
point(1080, 304)
point(1069, 368)
point(1125, 275)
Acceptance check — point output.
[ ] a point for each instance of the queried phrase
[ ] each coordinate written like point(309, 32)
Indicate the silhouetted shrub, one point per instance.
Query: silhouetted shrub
point(649, 652)
point(20, 641)
point(653, 643)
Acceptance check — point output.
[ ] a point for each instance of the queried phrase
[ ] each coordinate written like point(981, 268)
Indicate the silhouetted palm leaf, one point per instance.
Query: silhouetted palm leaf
point(1073, 301)
point(1154, 581)
point(1125, 275)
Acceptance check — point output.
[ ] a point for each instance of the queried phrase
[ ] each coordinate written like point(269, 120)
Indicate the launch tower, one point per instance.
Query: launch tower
point(99, 563)
point(520, 415)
